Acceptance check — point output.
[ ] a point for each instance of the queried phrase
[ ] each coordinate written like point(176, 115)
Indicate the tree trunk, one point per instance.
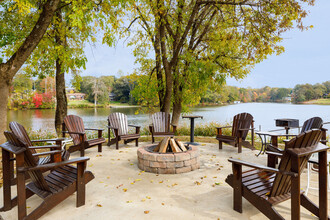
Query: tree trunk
point(177, 103)
point(61, 100)
point(10, 68)
point(4, 91)
point(159, 74)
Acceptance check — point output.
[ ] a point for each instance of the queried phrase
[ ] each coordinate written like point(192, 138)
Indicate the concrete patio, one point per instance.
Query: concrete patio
point(121, 190)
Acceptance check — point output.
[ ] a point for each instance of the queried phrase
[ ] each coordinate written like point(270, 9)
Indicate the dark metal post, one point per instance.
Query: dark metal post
point(192, 129)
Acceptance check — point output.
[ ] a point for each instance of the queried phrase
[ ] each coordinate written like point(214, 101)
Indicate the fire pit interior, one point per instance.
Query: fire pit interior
point(168, 157)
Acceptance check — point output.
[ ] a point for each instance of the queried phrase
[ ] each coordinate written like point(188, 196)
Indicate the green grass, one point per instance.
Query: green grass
point(119, 104)
point(319, 102)
point(82, 104)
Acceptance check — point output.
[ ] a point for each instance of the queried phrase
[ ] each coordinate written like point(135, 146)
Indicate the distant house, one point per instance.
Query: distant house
point(287, 99)
point(76, 96)
point(237, 102)
point(112, 96)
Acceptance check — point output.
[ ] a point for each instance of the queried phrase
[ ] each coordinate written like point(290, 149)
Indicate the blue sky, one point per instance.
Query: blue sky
point(306, 58)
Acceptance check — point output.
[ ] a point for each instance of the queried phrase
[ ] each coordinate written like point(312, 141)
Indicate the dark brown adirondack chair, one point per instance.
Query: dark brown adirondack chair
point(242, 124)
point(160, 126)
point(265, 187)
point(63, 180)
point(312, 123)
point(20, 132)
point(74, 126)
point(117, 122)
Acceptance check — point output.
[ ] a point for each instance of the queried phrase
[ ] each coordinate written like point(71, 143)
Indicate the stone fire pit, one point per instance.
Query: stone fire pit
point(168, 163)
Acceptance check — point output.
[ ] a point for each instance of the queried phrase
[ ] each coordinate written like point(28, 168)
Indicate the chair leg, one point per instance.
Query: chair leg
point(99, 148)
point(220, 145)
point(237, 186)
point(81, 190)
point(109, 137)
point(308, 178)
point(117, 144)
point(137, 142)
point(153, 139)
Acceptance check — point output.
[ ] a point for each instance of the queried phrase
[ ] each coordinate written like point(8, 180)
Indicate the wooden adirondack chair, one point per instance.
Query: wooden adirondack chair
point(265, 187)
point(63, 180)
point(20, 132)
point(242, 123)
point(74, 126)
point(117, 122)
point(160, 126)
point(312, 123)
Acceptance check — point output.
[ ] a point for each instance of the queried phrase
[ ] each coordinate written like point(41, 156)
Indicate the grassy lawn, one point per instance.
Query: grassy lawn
point(119, 104)
point(319, 102)
point(81, 104)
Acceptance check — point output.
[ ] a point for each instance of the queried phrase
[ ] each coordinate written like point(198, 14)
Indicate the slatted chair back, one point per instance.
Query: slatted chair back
point(21, 133)
point(241, 121)
point(29, 161)
point(282, 183)
point(312, 123)
point(74, 123)
point(161, 121)
point(118, 120)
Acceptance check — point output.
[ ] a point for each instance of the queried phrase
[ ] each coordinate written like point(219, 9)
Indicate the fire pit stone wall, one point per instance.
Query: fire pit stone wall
point(168, 163)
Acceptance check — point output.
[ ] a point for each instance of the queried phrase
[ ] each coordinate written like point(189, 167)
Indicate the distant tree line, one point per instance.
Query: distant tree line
point(40, 93)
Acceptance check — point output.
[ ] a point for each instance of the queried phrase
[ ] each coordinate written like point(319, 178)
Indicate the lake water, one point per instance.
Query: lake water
point(263, 113)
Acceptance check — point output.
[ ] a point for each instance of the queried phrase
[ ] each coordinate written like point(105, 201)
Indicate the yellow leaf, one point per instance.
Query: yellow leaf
point(132, 165)
point(130, 201)
point(163, 203)
point(151, 181)
point(98, 205)
point(197, 183)
point(108, 177)
point(137, 180)
point(125, 190)
point(142, 200)
point(146, 212)
point(99, 155)
point(203, 144)
point(161, 181)
point(148, 197)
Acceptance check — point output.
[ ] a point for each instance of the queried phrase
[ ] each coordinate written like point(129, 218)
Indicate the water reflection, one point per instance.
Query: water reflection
point(264, 115)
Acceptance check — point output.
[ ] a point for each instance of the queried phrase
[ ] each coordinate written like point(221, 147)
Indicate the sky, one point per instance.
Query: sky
point(306, 58)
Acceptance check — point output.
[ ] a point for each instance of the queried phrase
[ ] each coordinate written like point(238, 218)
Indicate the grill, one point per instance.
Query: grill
point(286, 122)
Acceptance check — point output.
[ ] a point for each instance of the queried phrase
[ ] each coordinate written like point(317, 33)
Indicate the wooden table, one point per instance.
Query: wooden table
point(192, 127)
point(263, 136)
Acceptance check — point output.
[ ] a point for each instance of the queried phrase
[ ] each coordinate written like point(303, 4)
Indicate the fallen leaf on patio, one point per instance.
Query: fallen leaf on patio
point(28, 207)
point(219, 169)
point(213, 185)
point(146, 212)
point(203, 144)
point(118, 159)
point(99, 155)
point(137, 180)
point(131, 164)
point(129, 201)
point(98, 205)
point(215, 177)
point(143, 200)
point(161, 181)
point(108, 177)
point(101, 182)
point(217, 183)
point(112, 159)
point(132, 183)
point(174, 184)
point(120, 151)
point(90, 165)
point(151, 181)
point(163, 203)
point(148, 197)
point(119, 186)
point(197, 183)
point(125, 190)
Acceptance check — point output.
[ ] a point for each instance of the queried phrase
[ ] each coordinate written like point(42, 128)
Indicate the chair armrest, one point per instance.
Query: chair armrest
point(48, 153)
point(94, 129)
point(53, 165)
point(74, 132)
point(274, 149)
point(274, 153)
point(265, 168)
point(47, 146)
point(46, 140)
point(112, 127)
point(136, 126)
point(245, 129)
point(224, 127)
